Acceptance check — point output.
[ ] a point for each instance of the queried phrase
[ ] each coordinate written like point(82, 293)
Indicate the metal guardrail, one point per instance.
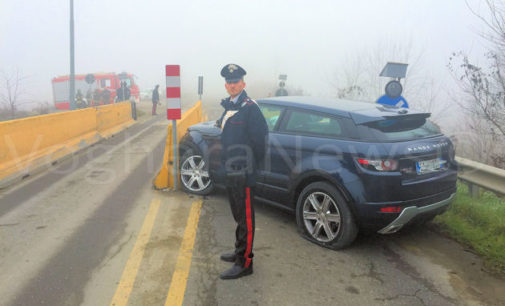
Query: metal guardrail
point(480, 175)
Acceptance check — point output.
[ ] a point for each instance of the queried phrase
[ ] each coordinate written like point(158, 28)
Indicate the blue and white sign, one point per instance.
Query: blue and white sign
point(398, 101)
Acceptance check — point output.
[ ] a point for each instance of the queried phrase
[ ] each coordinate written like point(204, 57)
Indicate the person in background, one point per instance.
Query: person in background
point(120, 93)
point(106, 96)
point(89, 97)
point(96, 97)
point(80, 101)
point(127, 92)
point(155, 99)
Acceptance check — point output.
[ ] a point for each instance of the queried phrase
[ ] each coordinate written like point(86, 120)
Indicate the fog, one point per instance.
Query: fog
point(308, 41)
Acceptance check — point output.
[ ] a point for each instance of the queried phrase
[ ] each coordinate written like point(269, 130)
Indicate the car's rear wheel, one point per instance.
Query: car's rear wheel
point(194, 173)
point(323, 216)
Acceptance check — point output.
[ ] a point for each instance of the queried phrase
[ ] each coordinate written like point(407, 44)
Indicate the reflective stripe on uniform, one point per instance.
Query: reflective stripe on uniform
point(227, 116)
point(249, 227)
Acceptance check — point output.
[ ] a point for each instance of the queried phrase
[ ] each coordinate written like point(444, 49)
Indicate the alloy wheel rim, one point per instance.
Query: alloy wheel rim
point(321, 216)
point(193, 175)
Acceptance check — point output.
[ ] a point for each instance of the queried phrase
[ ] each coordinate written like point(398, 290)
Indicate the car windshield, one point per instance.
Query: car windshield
point(400, 129)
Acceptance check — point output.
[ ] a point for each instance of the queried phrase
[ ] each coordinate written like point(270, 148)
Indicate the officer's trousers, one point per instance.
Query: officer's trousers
point(242, 208)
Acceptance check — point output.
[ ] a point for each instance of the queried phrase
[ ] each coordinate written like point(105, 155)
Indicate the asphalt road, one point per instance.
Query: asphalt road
point(415, 267)
point(92, 231)
point(57, 227)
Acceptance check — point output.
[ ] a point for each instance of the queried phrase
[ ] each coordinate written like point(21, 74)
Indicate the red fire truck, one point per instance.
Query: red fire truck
point(93, 88)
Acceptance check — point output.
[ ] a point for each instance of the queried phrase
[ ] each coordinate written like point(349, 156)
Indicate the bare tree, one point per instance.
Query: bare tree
point(12, 91)
point(482, 88)
point(42, 108)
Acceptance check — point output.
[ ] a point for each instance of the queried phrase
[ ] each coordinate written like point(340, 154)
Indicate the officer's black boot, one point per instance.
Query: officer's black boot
point(229, 257)
point(236, 271)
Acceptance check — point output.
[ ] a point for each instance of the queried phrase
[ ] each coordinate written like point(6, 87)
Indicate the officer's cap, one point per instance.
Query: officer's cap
point(232, 73)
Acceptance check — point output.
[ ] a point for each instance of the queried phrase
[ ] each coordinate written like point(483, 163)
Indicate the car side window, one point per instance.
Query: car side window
point(271, 113)
point(314, 124)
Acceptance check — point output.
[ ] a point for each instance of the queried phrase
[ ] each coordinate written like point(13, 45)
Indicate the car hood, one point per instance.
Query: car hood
point(208, 128)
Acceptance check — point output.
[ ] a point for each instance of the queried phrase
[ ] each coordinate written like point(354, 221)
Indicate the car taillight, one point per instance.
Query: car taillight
point(378, 164)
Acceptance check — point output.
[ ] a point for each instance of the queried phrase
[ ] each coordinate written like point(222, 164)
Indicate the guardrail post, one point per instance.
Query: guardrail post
point(473, 190)
point(174, 142)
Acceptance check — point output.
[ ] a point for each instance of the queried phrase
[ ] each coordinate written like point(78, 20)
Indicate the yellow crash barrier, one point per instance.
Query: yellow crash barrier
point(109, 117)
point(165, 177)
point(30, 143)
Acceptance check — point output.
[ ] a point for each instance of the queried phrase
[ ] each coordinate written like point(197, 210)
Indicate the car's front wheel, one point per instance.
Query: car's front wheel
point(323, 216)
point(194, 173)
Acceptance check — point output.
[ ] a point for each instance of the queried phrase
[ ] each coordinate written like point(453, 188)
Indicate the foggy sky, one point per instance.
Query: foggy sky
point(305, 40)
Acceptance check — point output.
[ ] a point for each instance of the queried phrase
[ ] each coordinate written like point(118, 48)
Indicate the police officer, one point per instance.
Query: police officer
point(243, 137)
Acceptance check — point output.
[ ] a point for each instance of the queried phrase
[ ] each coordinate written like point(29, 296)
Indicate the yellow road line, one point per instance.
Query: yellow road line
point(132, 266)
point(180, 277)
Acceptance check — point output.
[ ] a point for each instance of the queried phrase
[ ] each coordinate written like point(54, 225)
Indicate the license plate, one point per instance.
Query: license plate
point(427, 166)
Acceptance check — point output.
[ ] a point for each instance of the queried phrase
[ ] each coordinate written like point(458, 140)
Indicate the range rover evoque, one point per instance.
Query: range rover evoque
point(339, 165)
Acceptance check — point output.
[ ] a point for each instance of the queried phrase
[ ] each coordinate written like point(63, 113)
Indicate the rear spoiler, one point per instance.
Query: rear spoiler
point(386, 113)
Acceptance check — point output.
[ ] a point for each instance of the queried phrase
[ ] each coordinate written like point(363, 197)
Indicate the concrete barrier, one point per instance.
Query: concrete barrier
point(32, 143)
point(165, 177)
point(110, 117)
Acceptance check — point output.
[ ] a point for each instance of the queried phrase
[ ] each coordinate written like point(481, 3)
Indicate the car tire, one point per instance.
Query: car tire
point(194, 173)
point(325, 217)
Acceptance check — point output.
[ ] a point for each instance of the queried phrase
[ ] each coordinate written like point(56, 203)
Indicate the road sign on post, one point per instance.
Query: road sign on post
point(173, 75)
point(200, 87)
point(394, 70)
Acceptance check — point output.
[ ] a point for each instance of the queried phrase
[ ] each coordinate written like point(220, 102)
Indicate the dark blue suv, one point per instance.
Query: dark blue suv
point(339, 165)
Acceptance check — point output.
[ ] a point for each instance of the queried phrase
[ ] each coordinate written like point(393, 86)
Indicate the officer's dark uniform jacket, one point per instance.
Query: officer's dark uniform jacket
point(243, 137)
